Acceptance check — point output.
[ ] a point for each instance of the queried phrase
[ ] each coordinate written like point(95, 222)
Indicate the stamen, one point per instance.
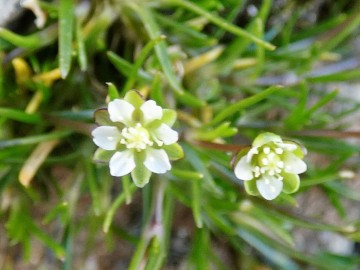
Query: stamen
point(136, 137)
point(271, 155)
point(265, 161)
point(266, 150)
point(280, 164)
point(256, 170)
point(279, 151)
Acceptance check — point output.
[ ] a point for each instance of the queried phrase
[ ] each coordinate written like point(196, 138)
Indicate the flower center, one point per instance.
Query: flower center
point(269, 162)
point(136, 137)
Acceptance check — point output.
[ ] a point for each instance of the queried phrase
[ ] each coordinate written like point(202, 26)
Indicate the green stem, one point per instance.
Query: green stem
point(116, 204)
point(139, 61)
point(153, 229)
point(222, 23)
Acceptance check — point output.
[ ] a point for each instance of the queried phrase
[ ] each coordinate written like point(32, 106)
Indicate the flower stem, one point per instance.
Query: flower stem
point(153, 229)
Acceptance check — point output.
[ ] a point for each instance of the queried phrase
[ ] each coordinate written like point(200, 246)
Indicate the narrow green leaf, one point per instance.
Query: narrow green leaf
point(222, 23)
point(343, 31)
point(186, 174)
point(260, 51)
point(233, 51)
point(81, 50)
point(161, 51)
point(221, 131)
point(1, 76)
point(297, 118)
point(157, 92)
point(200, 249)
point(114, 206)
point(47, 240)
point(196, 202)
point(35, 139)
point(66, 26)
point(221, 221)
point(139, 253)
point(261, 243)
point(198, 164)
point(61, 210)
point(243, 104)
point(157, 254)
point(344, 190)
point(126, 183)
point(140, 60)
point(113, 92)
point(68, 243)
point(188, 33)
point(323, 101)
point(160, 48)
point(124, 67)
point(93, 186)
point(29, 42)
point(345, 75)
point(20, 116)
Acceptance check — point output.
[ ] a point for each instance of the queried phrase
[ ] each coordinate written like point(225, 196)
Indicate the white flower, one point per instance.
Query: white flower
point(136, 137)
point(270, 166)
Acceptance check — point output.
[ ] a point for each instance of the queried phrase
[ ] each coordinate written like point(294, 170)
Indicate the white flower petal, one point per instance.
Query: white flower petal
point(293, 164)
point(269, 187)
point(120, 111)
point(166, 134)
point(106, 137)
point(243, 169)
point(252, 151)
point(157, 161)
point(287, 146)
point(122, 163)
point(151, 111)
point(265, 138)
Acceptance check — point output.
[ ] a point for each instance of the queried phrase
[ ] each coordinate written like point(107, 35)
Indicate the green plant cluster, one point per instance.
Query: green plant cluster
point(229, 76)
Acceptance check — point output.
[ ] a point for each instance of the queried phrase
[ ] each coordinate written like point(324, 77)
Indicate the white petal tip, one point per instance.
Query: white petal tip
point(151, 111)
point(106, 137)
point(269, 188)
point(120, 111)
point(243, 170)
point(122, 163)
point(157, 161)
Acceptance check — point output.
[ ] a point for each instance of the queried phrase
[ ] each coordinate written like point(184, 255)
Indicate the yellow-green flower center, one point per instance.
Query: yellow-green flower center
point(137, 138)
point(268, 161)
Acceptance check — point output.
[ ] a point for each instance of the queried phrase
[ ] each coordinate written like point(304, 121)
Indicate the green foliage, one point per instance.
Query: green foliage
point(229, 76)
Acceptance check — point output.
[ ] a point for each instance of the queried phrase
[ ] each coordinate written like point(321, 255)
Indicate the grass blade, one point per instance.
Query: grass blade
point(222, 23)
point(66, 21)
point(243, 104)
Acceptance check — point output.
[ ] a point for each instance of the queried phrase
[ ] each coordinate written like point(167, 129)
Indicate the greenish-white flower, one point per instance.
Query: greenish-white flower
point(136, 137)
point(270, 166)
